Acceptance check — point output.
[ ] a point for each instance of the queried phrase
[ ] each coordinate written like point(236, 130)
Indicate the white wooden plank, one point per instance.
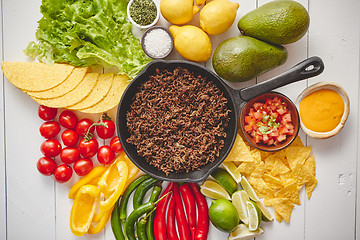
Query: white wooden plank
point(336, 40)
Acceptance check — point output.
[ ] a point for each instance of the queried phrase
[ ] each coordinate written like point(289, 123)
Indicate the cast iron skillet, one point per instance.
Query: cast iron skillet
point(236, 98)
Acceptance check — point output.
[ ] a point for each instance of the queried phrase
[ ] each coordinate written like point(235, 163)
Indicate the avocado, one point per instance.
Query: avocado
point(276, 22)
point(242, 58)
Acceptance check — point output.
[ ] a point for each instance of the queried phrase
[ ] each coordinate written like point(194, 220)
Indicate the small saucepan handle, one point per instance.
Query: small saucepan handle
point(308, 68)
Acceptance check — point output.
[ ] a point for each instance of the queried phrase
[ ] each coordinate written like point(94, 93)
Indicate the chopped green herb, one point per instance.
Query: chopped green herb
point(143, 12)
point(265, 118)
point(265, 130)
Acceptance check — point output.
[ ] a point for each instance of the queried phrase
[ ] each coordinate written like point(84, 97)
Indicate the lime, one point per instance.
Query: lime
point(254, 215)
point(213, 190)
point(223, 215)
point(265, 214)
point(248, 188)
point(242, 233)
point(230, 167)
point(239, 199)
point(224, 179)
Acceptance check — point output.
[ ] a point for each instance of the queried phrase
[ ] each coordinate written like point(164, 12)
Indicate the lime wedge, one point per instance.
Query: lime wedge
point(249, 190)
point(254, 215)
point(224, 179)
point(242, 233)
point(239, 199)
point(214, 190)
point(265, 214)
point(230, 167)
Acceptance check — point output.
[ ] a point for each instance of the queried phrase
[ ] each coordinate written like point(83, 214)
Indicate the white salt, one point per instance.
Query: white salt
point(157, 43)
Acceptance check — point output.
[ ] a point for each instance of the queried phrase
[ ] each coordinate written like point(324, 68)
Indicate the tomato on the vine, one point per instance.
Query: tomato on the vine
point(83, 126)
point(69, 155)
point(105, 132)
point(88, 148)
point(83, 166)
point(68, 119)
point(62, 173)
point(115, 144)
point(50, 148)
point(47, 113)
point(46, 166)
point(50, 129)
point(70, 138)
point(105, 155)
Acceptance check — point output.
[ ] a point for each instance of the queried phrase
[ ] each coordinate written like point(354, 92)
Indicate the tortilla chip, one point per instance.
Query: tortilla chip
point(309, 187)
point(290, 192)
point(297, 142)
point(283, 206)
point(273, 182)
point(63, 88)
point(310, 165)
point(278, 217)
point(295, 155)
point(246, 168)
point(259, 170)
point(239, 152)
point(279, 168)
point(76, 95)
point(302, 175)
point(261, 188)
point(112, 99)
point(34, 76)
point(99, 92)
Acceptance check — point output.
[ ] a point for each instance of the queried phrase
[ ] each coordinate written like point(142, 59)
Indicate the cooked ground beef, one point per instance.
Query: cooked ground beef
point(178, 120)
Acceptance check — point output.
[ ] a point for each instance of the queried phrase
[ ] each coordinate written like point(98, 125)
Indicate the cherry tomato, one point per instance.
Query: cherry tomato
point(69, 155)
point(83, 166)
point(50, 129)
point(50, 148)
point(83, 125)
point(106, 132)
point(115, 144)
point(47, 113)
point(88, 148)
point(46, 166)
point(62, 173)
point(68, 119)
point(105, 155)
point(69, 138)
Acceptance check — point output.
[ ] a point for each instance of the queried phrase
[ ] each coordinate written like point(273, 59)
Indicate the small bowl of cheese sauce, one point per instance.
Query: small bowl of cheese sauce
point(324, 108)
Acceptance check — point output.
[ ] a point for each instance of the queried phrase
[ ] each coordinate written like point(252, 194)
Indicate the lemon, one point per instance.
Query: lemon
point(265, 214)
point(225, 180)
point(213, 190)
point(254, 215)
point(242, 233)
point(223, 215)
point(239, 199)
point(249, 190)
point(178, 11)
point(191, 42)
point(230, 167)
point(217, 16)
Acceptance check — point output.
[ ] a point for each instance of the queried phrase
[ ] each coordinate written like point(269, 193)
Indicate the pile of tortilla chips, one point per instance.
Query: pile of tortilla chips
point(66, 86)
point(276, 177)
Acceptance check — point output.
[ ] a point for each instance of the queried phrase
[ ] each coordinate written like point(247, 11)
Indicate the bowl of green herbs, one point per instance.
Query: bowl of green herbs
point(143, 13)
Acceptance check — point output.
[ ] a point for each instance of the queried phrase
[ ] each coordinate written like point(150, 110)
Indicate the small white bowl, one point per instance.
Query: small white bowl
point(325, 85)
point(140, 26)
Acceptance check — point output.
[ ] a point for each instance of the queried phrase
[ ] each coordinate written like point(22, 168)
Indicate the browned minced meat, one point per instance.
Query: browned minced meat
point(177, 120)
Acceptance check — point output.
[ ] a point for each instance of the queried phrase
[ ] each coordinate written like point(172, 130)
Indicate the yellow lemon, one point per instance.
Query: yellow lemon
point(178, 11)
point(217, 16)
point(191, 42)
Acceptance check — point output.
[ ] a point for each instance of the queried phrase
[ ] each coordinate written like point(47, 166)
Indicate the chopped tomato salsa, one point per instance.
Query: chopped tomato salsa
point(269, 122)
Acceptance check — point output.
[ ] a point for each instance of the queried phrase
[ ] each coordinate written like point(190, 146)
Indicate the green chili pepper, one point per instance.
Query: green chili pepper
point(150, 227)
point(116, 223)
point(126, 195)
point(155, 193)
point(142, 189)
point(141, 229)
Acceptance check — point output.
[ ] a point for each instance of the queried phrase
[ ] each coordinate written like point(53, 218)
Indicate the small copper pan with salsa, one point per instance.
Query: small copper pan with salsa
point(235, 102)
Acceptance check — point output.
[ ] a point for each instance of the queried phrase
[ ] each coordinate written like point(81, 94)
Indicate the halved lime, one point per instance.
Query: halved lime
point(230, 167)
point(249, 190)
point(242, 233)
point(239, 199)
point(254, 215)
point(225, 180)
point(265, 214)
point(214, 190)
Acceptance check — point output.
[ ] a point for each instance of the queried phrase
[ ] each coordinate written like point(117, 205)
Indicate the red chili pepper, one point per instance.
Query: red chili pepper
point(190, 207)
point(170, 221)
point(160, 213)
point(202, 228)
point(182, 224)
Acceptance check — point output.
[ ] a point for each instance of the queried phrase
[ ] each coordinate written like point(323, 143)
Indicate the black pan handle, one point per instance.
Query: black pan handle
point(308, 68)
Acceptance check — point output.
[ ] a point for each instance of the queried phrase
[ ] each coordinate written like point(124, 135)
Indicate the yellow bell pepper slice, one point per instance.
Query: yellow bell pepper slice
point(105, 216)
point(83, 209)
point(133, 169)
point(112, 183)
point(94, 173)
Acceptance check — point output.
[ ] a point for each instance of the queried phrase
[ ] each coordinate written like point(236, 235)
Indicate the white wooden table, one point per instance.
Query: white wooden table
point(35, 207)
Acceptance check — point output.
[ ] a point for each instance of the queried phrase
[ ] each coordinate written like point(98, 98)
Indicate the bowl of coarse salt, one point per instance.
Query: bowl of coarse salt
point(157, 42)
